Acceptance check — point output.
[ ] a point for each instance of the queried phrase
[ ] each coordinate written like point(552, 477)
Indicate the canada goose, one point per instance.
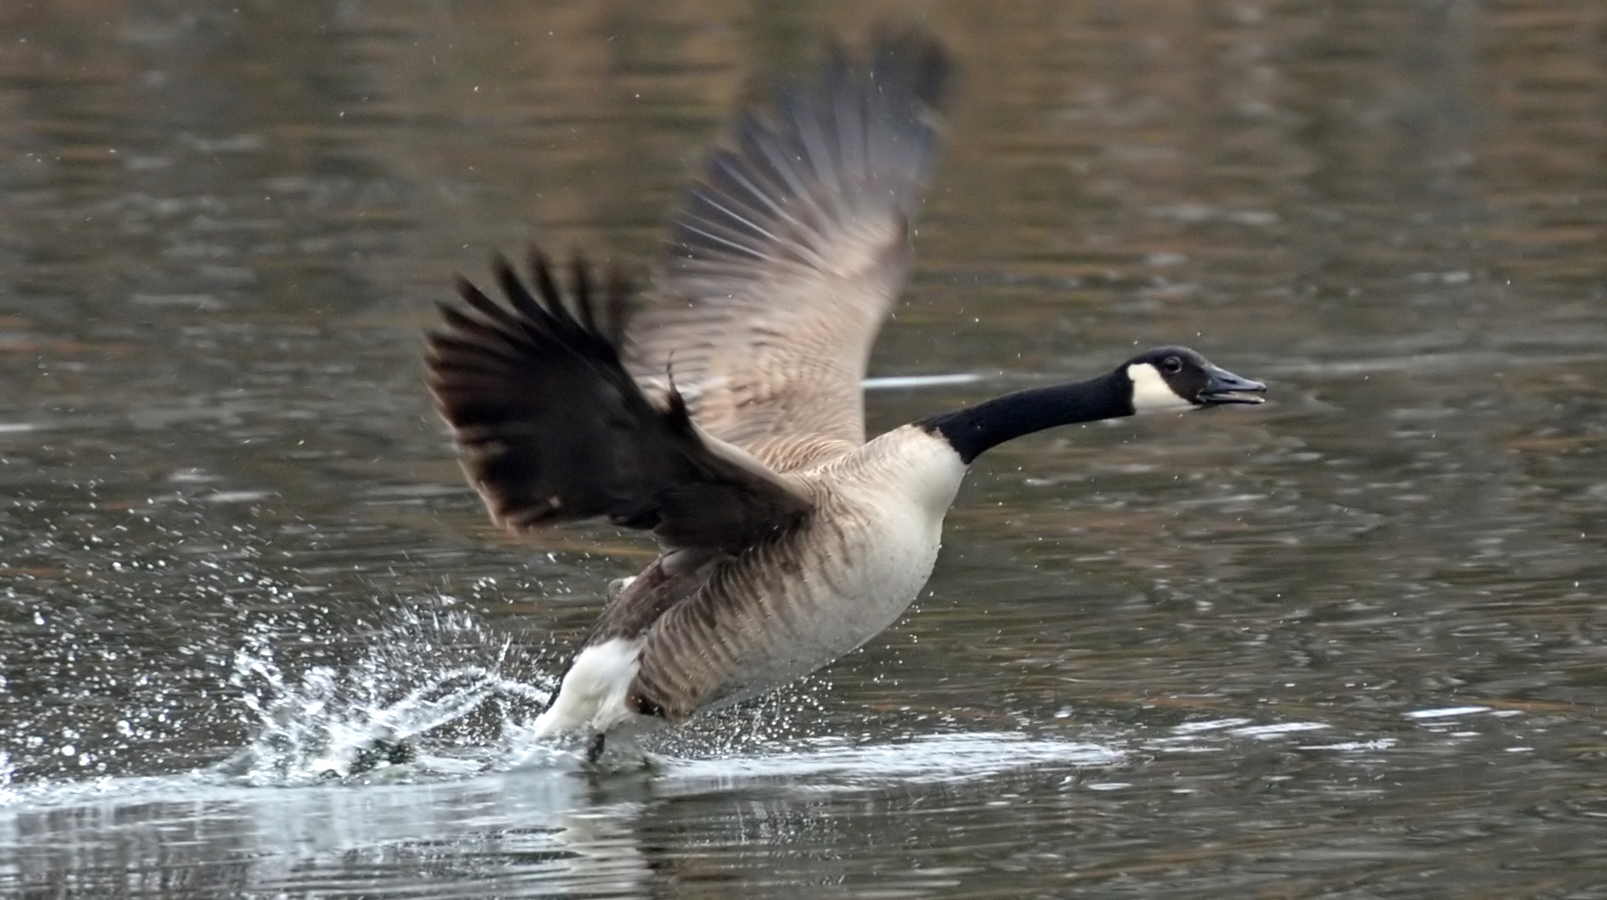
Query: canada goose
point(722, 410)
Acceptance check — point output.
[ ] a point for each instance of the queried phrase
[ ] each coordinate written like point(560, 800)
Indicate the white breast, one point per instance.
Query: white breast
point(871, 554)
point(787, 609)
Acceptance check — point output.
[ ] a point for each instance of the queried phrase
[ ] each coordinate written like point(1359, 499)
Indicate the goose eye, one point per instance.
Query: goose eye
point(1171, 365)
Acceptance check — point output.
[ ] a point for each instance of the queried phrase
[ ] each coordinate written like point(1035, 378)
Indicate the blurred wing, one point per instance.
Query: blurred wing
point(791, 249)
point(552, 428)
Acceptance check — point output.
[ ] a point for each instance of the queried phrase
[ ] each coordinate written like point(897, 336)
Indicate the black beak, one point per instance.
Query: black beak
point(1222, 386)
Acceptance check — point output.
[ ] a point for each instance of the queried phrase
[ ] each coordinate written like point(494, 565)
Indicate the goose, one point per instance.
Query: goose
point(720, 408)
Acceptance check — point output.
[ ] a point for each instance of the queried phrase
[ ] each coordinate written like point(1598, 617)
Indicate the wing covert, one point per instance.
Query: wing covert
point(552, 428)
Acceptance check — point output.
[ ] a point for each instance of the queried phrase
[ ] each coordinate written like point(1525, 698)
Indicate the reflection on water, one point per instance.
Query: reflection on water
point(1348, 644)
point(547, 828)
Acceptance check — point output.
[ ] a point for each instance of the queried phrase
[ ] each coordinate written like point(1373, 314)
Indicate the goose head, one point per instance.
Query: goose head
point(1174, 379)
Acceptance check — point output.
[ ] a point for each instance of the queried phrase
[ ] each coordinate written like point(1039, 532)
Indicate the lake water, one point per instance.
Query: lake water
point(1348, 644)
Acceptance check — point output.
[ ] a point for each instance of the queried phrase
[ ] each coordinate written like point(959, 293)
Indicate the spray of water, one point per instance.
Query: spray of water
point(423, 702)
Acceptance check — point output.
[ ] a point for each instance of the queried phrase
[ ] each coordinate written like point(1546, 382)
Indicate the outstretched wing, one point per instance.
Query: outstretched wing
point(791, 248)
point(552, 428)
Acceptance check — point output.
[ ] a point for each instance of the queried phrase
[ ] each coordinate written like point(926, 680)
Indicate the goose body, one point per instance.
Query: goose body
point(741, 625)
point(722, 409)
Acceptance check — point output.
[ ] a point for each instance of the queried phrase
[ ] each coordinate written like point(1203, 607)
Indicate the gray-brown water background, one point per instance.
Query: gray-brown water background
point(1350, 644)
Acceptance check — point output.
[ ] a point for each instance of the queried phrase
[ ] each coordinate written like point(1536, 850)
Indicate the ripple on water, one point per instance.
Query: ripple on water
point(924, 759)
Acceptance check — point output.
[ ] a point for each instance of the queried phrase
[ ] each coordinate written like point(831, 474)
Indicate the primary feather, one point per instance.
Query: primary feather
point(790, 250)
point(552, 428)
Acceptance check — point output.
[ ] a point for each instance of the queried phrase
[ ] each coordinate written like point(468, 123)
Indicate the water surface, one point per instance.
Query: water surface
point(1349, 644)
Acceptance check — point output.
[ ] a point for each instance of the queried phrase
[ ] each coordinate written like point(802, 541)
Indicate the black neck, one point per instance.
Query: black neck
point(974, 429)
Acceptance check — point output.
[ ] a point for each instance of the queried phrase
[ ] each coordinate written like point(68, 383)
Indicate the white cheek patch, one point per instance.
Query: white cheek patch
point(1151, 393)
